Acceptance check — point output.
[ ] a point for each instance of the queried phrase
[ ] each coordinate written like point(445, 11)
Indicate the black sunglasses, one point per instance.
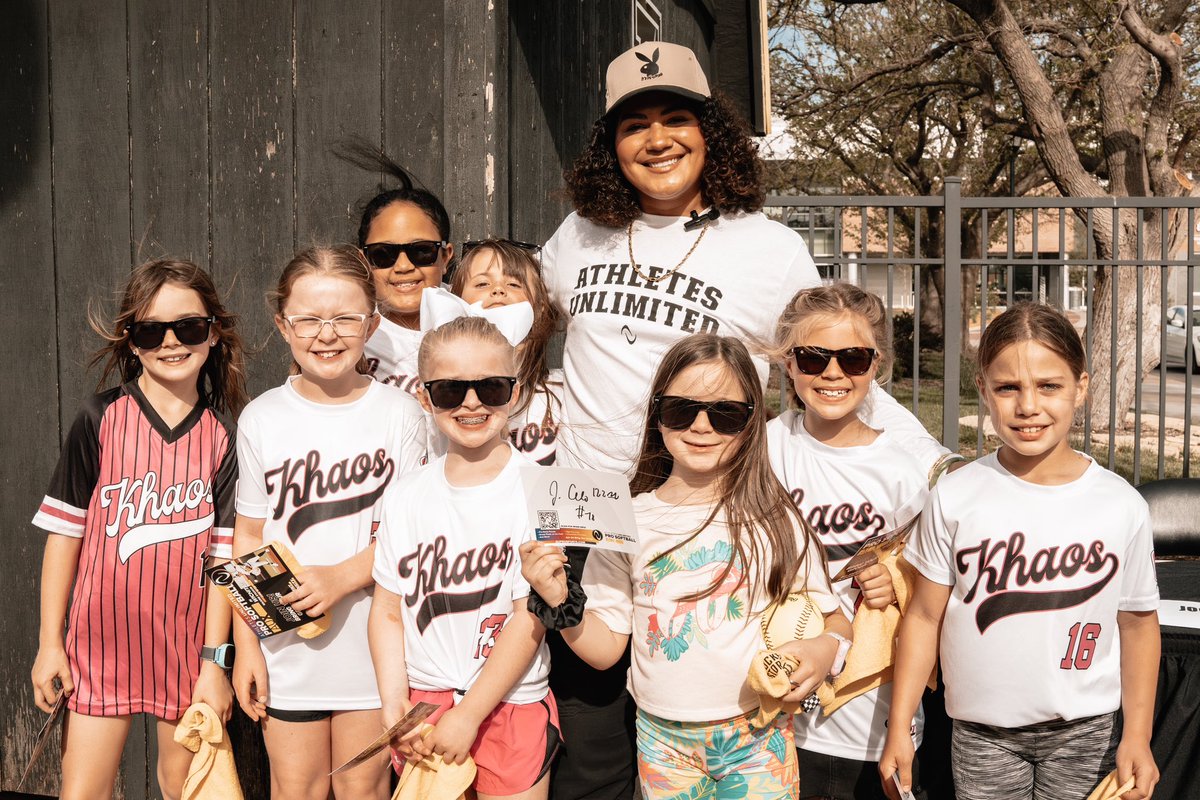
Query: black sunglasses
point(494, 391)
point(725, 416)
point(383, 255)
point(853, 360)
point(149, 335)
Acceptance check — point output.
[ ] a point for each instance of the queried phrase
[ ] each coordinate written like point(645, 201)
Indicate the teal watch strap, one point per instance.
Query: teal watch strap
point(221, 655)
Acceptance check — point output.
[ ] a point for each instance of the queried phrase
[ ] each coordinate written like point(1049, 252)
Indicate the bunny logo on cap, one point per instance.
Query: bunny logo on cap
point(669, 68)
point(650, 66)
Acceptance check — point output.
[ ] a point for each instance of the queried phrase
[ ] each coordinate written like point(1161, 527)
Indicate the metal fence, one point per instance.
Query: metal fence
point(1013, 248)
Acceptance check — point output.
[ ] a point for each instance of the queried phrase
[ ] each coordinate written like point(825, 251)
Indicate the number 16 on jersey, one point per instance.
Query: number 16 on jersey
point(1080, 645)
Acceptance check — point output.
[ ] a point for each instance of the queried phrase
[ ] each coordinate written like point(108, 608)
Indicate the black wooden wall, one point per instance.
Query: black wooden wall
point(202, 129)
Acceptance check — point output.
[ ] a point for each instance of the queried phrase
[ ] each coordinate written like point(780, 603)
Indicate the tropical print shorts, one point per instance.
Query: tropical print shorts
point(721, 760)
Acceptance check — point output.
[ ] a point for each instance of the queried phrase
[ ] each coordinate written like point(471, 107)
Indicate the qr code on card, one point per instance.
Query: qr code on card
point(548, 520)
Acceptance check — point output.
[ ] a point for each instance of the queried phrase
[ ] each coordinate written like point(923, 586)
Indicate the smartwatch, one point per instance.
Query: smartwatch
point(839, 660)
point(221, 655)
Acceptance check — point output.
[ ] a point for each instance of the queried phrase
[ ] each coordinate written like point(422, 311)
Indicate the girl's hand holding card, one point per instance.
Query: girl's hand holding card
point(544, 566)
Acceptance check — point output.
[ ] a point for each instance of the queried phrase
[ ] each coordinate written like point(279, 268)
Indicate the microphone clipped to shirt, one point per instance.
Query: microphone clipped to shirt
point(699, 220)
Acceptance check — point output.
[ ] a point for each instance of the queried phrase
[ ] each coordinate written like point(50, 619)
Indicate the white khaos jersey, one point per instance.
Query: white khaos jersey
point(848, 495)
point(1038, 574)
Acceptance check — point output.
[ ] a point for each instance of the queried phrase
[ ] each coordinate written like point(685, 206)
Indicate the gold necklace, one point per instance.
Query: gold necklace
point(650, 280)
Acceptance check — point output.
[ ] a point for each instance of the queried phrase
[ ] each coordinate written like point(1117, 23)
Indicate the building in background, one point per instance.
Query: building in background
point(205, 129)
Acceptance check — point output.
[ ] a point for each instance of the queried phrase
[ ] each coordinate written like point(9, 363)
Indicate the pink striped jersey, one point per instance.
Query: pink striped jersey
point(150, 503)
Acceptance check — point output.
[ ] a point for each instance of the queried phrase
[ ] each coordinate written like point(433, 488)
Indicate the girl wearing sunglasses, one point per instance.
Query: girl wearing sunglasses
point(143, 491)
point(404, 234)
point(317, 454)
point(719, 540)
point(448, 582)
point(850, 481)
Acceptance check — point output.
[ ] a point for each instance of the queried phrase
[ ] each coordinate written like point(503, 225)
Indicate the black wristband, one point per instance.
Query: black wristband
point(566, 615)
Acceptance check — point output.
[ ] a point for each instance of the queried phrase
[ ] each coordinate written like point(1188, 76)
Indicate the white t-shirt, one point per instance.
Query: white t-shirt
point(690, 659)
point(316, 473)
point(392, 355)
point(450, 552)
point(736, 283)
point(534, 432)
point(847, 494)
point(1038, 574)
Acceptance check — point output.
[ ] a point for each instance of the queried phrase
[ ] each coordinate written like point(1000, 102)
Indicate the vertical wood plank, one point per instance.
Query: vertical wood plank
point(558, 55)
point(413, 86)
point(253, 151)
point(27, 324)
point(90, 113)
point(93, 249)
point(690, 24)
point(338, 54)
point(476, 117)
point(253, 214)
point(168, 90)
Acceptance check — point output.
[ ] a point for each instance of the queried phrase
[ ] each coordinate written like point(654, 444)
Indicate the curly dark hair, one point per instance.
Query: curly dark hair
point(731, 179)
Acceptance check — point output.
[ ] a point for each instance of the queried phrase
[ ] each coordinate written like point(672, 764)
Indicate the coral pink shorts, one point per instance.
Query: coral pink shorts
point(516, 743)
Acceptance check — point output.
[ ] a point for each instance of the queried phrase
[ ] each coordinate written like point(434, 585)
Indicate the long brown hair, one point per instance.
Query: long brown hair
point(520, 265)
point(761, 517)
point(341, 261)
point(222, 379)
point(834, 300)
point(731, 179)
point(1037, 322)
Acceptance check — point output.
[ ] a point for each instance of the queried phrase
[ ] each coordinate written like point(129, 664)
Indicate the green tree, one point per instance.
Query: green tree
point(1095, 98)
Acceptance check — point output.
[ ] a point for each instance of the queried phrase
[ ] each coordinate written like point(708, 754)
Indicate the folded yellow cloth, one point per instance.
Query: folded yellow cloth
point(212, 774)
point(873, 654)
point(432, 778)
point(1108, 788)
point(768, 677)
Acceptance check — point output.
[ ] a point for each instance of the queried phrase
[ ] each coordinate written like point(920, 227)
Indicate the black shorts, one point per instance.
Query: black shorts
point(823, 776)
point(287, 715)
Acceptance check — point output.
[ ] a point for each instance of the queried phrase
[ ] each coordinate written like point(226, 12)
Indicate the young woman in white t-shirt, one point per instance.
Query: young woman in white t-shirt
point(501, 272)
point(448, 620)
point(316, 455)
point(850, 482)
point(719, 540)
point(1036, 564)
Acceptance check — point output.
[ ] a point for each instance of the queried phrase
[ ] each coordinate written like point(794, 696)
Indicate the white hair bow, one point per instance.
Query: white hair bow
point(439, 307)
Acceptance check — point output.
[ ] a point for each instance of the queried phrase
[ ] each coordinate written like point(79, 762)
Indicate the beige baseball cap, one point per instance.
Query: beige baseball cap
point(654, 67)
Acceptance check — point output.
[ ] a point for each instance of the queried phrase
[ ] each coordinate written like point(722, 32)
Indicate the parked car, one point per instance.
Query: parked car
point(1175, 354)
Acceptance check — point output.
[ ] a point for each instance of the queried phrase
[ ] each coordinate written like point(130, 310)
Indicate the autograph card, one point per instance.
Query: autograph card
point(899, 789)
point(580, 508)
point(875, 549)
point(415, 716)
point(57, 712)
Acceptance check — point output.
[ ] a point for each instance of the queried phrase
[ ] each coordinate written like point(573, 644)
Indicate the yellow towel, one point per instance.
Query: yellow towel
point(213, 774)
point(1108, 789)
point(431, 778)
point(769, 679)
point(873, 654)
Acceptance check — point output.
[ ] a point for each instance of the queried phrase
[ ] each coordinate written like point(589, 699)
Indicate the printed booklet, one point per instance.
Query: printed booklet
point(254, 584)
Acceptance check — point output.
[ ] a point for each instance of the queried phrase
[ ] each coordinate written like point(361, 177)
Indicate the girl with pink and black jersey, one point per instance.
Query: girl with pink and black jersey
point(141, 496)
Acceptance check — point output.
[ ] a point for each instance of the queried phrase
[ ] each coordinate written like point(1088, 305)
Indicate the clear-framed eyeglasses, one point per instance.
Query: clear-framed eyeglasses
point(345, 325)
